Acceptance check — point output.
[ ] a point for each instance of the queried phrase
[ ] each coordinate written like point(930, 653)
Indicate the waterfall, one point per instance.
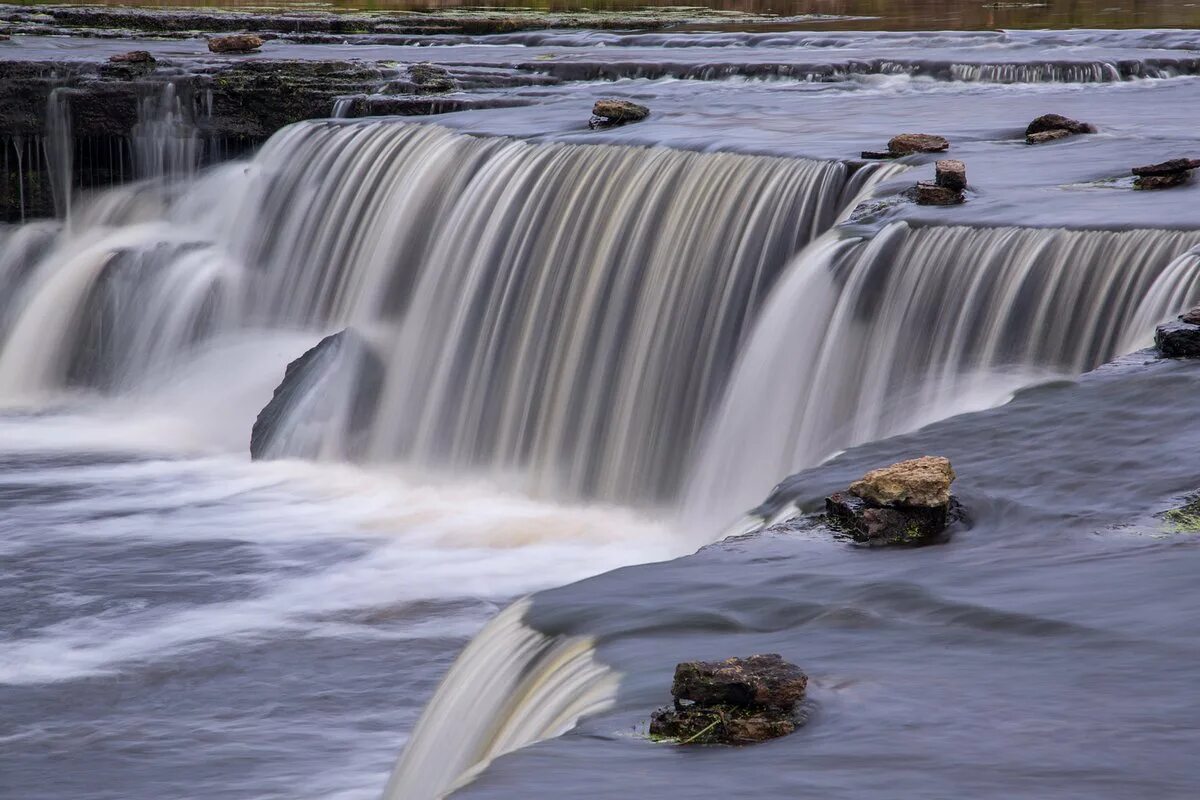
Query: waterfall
point(510, 687)
point(866, 338)
point(523, 293)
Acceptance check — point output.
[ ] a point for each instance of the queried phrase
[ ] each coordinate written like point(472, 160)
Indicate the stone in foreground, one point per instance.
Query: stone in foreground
point(923, 482)
point(611, 113)
point(951, 174)
point(909, 143)
point(930, 194)
point(237, 43)
point(736, 701)
point(1057, 122)
point(1180, 338)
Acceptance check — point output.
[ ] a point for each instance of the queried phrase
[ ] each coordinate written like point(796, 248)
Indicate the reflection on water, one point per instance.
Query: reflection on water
point(881, 14)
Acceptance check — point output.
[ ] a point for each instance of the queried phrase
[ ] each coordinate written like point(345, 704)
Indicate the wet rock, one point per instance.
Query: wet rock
point(923, 482)
point(237, 43)
point(1172, 167)
point(1179, 338)
point(878, 154)
point(905, 503)
point(1046, 136)
point(736, 701)
point(133, 57)
point(930, 194)
point(1057, 122)
point(1151, 182)
point(610, 113)
point(761, 681)
point(909, 143)
point(874, 525)
point(951, 174)
point(431, 79)
point(330, 393)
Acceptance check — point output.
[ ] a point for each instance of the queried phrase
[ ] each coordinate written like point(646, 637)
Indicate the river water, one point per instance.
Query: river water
point(598, 352)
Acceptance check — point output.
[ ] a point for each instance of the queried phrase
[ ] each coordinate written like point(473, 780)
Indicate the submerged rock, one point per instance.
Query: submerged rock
point(610, 113)
point(332, 389)
point(905, 503)
point(1180, 338)
point(237, 43)
point(133, 57)
point(736, 701)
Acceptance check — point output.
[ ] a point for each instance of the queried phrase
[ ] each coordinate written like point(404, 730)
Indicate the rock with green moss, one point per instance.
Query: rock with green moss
point(734, 702)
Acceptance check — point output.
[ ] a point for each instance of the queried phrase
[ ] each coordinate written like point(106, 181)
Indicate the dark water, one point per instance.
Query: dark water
point(1045, 651)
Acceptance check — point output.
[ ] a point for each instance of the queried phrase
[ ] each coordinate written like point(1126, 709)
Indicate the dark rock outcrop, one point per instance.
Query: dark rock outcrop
point(930, 194)
point(237, 43)
point(1050, 127)
point(736, 701)
point(1180, 338)
point(1164, 175)
point(906, 503)
point(431, 79)
point(332, 390)
point(133, 57)
point(1057, 122)
point(611, 113)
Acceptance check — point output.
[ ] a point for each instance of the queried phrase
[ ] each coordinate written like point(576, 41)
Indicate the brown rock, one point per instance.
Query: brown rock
point(919, 482)
point(951, 174)
point(1057, 122)
point(236, 43)
point(1167, 167)
point(762, 681)
point(908, 143)
point(1047, 136)
point(1191, 317)
point(133, 57)
point(1161, 181)
point(610, 113)
point(930, 194)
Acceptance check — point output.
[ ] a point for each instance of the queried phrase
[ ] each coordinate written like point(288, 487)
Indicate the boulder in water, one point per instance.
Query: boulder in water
point(431, 79)
point(1049, 127)
point(736, 701)
point(931, 194)
point(236, 43)
point(1057, 122)
point(951, 174)
point(906, 144)
point(1151, 182)
point(611, 113)
point(1180, 338)
point(332, 390)
point(1165, 174)
point(905, 503)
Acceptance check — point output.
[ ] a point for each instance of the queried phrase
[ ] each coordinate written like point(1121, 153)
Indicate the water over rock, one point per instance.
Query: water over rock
point(328, 394)
point(611, 113)
point(133, 57)
point(736, 701)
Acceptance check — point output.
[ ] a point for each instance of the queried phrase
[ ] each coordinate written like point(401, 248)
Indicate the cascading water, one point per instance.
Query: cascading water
point(522, 293)
point(866, 338)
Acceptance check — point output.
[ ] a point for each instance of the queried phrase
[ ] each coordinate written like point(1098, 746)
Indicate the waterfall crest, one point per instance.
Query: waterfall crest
point(523, 292)
point(866, 338)
point(511, 687)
